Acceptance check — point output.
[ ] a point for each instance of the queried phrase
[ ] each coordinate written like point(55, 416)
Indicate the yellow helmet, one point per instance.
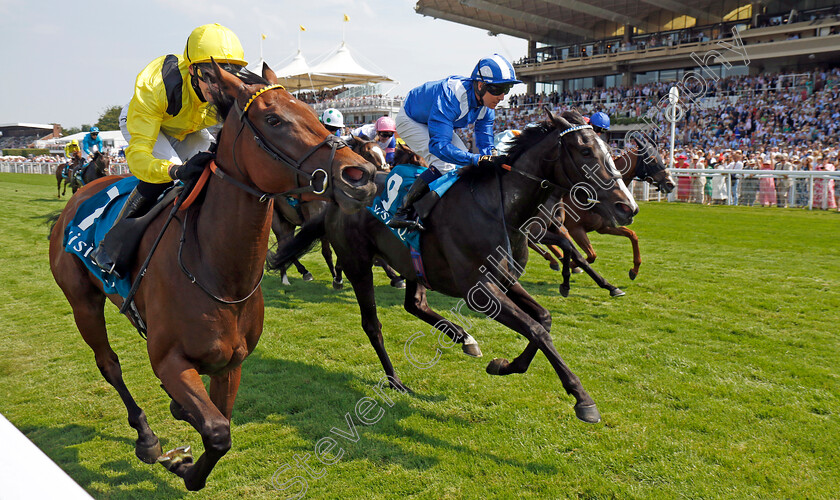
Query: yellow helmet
point(214, 41)
point(74, 142)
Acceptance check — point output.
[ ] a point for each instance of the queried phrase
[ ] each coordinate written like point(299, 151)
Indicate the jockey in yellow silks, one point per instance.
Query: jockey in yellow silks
point(166, 121)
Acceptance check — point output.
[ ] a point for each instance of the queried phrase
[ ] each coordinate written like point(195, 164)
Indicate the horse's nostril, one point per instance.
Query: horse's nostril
point(352, 174)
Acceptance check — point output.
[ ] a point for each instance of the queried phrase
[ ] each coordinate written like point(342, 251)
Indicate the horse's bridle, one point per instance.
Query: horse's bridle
point(287, 161)
point(545, 183)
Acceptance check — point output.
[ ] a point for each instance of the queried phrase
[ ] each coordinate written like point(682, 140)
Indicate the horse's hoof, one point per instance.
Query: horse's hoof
point(554, 266)
point(285, 280)
point(338, 284)
point(398, 283)
point(633, 274)
point(148, 453)
point(472, 350)
point(177, 460)
point(307, 276)
point(577, 270)
point(564, 290)
point(400, 386)
point(588, 413)
point(495, 367)
point(616, 292)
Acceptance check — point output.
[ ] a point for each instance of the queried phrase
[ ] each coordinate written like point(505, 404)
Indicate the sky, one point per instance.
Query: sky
point(67, 62)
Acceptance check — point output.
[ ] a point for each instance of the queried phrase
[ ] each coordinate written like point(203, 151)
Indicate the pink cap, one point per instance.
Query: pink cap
point(386, 124)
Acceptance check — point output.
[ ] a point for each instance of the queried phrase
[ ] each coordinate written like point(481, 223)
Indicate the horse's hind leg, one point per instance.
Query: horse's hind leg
point(569, 249)
point(416, 304)
point(89, 313)
point(204, 412)
point(360, 275)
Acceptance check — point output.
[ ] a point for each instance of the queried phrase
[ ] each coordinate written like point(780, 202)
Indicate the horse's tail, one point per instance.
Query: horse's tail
point(51, 219)
point(302, 243)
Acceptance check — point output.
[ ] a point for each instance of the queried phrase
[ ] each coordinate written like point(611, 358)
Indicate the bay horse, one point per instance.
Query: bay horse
point(642, 163)
point(97, 168)
point(270, 144)
point(62, 174)
point(464, 246)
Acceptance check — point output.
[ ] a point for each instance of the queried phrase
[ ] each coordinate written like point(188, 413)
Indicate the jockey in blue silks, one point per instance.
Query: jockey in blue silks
point(431, 113)
point(91, 139)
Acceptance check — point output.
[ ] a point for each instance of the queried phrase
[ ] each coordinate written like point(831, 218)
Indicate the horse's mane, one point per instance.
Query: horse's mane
point(536, 132)
point(222, 102)
point(530, 135)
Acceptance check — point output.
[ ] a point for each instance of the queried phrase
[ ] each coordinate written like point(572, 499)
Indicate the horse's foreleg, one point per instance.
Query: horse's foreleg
point(326, 253)
point(569, 248)
point(338, 281)
point(301, 269)
point(416, 304)
point(182, 381)
point(397, 281)
point(553, 264)
point(507, 312)
point(361, 277)
point(634, 241)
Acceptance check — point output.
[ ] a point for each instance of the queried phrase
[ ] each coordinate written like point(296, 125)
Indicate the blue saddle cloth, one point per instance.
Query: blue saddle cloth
point(93, 219)
point(385, 205)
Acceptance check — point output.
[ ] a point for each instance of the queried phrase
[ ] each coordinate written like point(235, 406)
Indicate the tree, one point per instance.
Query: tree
point(110, 118)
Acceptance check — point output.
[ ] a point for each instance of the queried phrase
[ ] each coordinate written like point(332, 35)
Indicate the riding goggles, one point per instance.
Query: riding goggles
point(498, 89)
point(386, 134)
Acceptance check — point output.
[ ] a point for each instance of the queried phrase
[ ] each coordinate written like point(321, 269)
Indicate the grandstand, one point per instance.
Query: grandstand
point(579, 44)
point(24, 135)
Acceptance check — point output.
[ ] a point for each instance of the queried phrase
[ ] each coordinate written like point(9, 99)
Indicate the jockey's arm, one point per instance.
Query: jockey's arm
point(144, 121)
point(483, 132)
point(441, 129)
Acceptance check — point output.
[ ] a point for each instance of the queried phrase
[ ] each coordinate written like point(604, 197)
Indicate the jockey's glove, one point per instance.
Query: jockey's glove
point(193, 168)
point(487, 161)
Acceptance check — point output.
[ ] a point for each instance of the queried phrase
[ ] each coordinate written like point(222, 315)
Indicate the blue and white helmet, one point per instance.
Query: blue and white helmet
point(494, 69)
point(600, 119)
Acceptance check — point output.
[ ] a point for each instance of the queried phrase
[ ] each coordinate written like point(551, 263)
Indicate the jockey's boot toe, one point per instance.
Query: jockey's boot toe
point(104, 261)
point(408, 221)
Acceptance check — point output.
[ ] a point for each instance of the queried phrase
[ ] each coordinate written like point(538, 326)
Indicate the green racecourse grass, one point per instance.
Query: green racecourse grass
point(717, 375)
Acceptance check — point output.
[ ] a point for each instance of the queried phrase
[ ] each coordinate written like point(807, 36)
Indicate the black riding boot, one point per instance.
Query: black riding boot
point(136, 205)
point(406, 216)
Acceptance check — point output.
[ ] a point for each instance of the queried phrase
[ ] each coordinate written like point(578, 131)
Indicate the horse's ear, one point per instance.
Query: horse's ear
point(557, 120)
point(268, 74)
point(228, 84)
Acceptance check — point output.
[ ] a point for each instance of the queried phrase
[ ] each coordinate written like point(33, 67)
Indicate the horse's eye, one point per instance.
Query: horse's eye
point(272, 120)
point(586, 152)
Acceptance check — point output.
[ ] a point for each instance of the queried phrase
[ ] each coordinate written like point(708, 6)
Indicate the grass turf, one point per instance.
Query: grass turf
point(716, 376)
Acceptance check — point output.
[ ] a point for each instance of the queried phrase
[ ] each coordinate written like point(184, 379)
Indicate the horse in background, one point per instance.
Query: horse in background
point(62, 174)
point(95, 169)
point(207, 320)
point(642, 163)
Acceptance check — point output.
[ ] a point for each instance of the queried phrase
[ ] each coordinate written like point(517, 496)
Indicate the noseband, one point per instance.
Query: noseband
point(333, 142)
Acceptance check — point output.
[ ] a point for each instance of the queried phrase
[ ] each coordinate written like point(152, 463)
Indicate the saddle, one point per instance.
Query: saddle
point(128, 233)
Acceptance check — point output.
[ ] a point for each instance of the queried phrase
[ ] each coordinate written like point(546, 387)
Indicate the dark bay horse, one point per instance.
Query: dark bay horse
point(97, 168)
point(62, 173)
point(270, 143)
point(467, 234)
point(641, 163)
